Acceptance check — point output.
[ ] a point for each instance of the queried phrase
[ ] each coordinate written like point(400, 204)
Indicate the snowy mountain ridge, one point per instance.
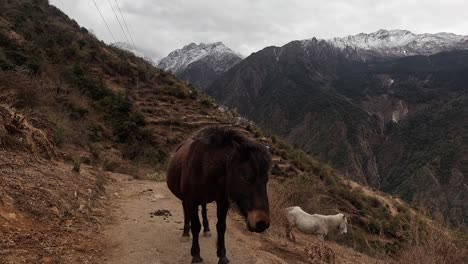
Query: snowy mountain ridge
point(400, 43)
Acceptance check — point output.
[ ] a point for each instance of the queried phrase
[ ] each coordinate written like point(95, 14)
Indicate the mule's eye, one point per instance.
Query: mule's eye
point(251, 180)
point(248, 178)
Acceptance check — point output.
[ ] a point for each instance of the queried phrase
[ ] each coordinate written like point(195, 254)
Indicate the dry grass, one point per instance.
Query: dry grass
point(158, 176)
point(278, 201)
point(433, 245)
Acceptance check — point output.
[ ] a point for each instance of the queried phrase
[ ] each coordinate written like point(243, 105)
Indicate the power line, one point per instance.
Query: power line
point(125, 23)
point(118, 20)
point(103, 19)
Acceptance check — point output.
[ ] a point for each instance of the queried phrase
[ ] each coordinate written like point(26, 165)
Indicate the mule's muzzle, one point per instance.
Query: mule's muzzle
point(258, 221)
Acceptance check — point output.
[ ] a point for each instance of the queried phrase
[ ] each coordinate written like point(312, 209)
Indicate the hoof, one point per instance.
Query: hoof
point(197, 259)
point(223, 260)
point(185, 239)
point(206, 233)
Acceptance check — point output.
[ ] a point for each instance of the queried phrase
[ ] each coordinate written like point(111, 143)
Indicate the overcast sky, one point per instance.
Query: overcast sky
point(160, 26)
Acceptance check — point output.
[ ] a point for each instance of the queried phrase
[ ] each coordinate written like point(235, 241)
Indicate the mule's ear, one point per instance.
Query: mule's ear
point(344, 217)
point(213, 139)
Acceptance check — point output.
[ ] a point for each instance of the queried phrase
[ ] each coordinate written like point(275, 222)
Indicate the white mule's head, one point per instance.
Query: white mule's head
point(343, 227)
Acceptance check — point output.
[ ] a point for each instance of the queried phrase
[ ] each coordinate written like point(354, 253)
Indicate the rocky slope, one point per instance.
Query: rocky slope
point(364, 117)
point(200, 64)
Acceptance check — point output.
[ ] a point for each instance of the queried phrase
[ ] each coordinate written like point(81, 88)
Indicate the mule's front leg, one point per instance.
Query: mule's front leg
point(289, 232)
point(322, 237)
point(206, 225)
point(196, 227)
point(222, 208)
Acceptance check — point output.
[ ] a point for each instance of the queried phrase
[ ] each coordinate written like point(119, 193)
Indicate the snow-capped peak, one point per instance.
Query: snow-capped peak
point(399, 43)
point(127, 47)
point(178, 60)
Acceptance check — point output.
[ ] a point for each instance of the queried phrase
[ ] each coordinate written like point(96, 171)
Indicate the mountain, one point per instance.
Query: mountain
point(398, 124)
point(200, 64)
point(397, 43)
point(135, 51)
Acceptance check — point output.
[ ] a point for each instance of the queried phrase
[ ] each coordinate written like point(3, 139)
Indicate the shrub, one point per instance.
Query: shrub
point(148, 154)
point(77, 112)
point(156, 176)
point(257, 134)
point(59, 135)
point(5, 64)
point(275, 170)
point(94, 134)
point(110, 165)
point(33, 65)
point(178, 91)
point(76, 165)
point(374, 202)
point(273, 139)
point(72, 50)
point(207, 102)
point(26, 97)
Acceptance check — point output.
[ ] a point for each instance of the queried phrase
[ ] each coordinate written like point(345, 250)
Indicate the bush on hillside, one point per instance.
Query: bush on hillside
point(76, 165)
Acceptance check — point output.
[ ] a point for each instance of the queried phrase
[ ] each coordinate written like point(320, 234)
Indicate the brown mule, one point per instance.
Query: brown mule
point(220, 164)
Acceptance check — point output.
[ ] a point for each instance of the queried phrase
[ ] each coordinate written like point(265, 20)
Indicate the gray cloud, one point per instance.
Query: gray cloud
point(160, 26)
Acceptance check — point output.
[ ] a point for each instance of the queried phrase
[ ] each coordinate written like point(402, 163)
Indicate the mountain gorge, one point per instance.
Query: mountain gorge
point(200, 64)
point(397, 124)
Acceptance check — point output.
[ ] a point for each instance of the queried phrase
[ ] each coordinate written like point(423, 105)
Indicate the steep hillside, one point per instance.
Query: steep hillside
point(200, 64)
point(73, 108)
point(363, 117)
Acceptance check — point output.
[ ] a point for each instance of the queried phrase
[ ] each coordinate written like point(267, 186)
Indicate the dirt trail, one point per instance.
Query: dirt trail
point(134, 237)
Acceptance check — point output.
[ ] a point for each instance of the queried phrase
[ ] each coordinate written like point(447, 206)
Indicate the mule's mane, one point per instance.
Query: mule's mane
point(220, 136)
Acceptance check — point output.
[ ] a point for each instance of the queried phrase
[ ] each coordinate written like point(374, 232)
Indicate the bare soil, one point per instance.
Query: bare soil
point(146, 227)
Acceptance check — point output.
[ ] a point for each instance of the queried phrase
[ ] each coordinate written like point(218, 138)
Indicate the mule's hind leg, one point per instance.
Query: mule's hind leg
point(206, 225)
point(185, 233)
point(196, 227)
point(289, 232)
point(293, 237)
point(222, 208)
